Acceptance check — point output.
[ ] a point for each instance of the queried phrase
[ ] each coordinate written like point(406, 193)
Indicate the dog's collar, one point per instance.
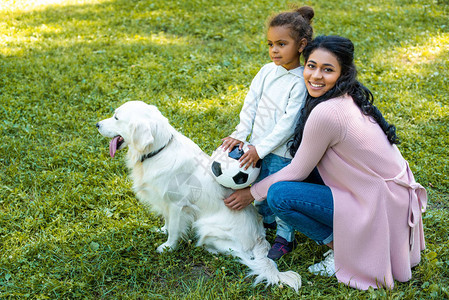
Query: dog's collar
point(151, 154)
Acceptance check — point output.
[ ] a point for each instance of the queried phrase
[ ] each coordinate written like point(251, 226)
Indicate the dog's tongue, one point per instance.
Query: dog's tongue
point(113, 146)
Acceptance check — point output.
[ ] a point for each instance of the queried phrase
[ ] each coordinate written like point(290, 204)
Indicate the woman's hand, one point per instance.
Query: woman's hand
point(239, 199)
point(249, 158)
point(230, 143)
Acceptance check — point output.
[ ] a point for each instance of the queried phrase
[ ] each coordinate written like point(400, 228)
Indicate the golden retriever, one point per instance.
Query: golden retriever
point(172, 176)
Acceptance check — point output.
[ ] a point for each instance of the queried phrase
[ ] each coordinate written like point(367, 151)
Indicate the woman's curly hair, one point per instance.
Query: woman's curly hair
point(347, 83)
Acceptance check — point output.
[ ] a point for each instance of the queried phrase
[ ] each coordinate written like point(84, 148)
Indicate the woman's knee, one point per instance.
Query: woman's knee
point(274, 195)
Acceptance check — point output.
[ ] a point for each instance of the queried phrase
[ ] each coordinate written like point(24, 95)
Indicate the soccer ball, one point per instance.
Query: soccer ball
point(227, 171)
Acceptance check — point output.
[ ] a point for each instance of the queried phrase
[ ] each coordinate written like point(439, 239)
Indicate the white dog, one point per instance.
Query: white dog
point(171, 175)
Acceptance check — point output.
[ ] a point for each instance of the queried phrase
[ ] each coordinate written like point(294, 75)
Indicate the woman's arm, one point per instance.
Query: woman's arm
point(323, 129)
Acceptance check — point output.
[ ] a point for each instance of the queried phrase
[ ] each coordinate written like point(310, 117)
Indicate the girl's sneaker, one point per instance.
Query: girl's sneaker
point(280, 248)
point(326, 267)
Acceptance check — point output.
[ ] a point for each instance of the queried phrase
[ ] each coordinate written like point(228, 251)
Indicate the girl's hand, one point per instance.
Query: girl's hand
point(239, 199)
point(230, 143)
point(249, 158)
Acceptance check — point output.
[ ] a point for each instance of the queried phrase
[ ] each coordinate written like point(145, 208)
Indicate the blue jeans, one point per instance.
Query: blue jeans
point(271, 164)
point(307, 207)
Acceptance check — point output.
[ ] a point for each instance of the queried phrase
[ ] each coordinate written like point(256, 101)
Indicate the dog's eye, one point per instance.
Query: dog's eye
point(115, 117)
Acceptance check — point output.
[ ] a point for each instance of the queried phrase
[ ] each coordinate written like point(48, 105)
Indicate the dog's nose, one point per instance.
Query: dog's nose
point(98, 125)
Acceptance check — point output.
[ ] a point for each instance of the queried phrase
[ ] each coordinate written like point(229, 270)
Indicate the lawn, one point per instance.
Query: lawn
point(70, 226)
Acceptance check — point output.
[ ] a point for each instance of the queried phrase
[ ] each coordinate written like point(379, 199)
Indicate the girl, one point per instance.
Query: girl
point(370, 209)
point(272, 107)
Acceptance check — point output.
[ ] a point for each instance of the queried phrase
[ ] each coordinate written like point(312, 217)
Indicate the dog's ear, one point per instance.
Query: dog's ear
point(141, 135)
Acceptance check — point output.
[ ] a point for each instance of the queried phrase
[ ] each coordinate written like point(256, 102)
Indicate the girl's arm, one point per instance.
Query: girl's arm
point(248, 112)
point(285, 126)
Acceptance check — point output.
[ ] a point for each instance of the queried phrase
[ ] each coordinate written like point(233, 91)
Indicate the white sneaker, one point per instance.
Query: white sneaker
point(326, 267)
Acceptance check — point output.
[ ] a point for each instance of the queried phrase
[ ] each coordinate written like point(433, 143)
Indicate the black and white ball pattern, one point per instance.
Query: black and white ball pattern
point(227, 171)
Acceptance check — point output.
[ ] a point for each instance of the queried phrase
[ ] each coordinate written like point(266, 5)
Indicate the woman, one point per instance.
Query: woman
point(369, 211)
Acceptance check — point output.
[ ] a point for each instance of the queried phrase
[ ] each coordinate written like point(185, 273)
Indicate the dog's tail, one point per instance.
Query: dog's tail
point(266, 269)
point(252, 251)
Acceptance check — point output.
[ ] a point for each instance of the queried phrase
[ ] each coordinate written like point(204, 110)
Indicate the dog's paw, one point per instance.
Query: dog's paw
point(163, 230)
point(164, 247)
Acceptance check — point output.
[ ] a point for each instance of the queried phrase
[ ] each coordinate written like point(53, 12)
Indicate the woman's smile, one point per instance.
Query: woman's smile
point(321, 72)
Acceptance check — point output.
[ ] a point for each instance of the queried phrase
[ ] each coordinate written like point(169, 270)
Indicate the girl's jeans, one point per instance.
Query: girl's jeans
point(307, 207)
point(271, 164)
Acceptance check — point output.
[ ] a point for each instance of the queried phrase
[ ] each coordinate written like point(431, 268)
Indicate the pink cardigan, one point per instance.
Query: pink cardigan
point(378, 230)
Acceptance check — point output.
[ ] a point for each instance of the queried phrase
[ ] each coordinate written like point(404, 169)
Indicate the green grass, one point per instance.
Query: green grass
point(70, 226)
